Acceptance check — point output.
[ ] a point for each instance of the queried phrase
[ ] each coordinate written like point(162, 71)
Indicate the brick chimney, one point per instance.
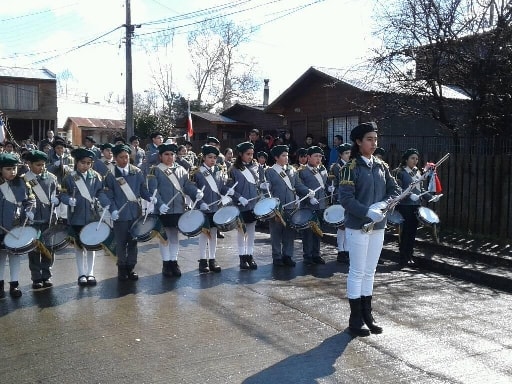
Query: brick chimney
point(265, 92)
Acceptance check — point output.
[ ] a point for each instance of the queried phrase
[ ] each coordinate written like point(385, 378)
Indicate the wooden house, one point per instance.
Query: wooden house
point(102, 130)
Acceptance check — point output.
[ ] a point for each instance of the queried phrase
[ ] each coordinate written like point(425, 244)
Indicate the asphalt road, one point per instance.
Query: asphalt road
point(265, 326)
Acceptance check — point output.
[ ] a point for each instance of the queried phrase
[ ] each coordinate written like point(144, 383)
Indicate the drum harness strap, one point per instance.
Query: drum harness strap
point(318, 176)
point(210, 179)
point(36, 187)
point(82, 188)
point(172, 177)
point(7, 192)
point(280, 171)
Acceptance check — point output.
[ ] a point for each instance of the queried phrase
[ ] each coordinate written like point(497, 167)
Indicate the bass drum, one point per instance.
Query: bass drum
point(427, 216)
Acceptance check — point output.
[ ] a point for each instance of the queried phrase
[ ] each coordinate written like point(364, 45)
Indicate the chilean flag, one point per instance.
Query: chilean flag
point(2, 130)
point(190, 129)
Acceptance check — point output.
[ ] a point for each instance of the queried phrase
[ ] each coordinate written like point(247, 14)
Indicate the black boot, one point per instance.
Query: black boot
point(355, 322)
point(122, 273)
point(2, 292)
point(203, 266)
point(251, 262)
point(288, 261)
point(244, 262)
point(214, 267)
point(132, 275)
point(14, 291)
point(175, 268)
point(366, 302)
point(166, 269)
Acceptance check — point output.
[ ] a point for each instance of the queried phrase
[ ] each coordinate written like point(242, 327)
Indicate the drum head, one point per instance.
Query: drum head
point(334, 214)
point(20, 237)
point(395, 218)
point(190, 221)
point(226, 215)
point(428, 215)
point(141, 227)
point(55, 236)
point(91, 234)
point(265, 206)
point(302, 217)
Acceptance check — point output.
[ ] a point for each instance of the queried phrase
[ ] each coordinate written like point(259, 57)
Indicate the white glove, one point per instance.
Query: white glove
point(199, 195)
point(265, 185)
point(106, 208)
point(331, 188)
point(72, 202)
point(225, 200)
point(414, 197)
point(375, 215)
point(55, 200)
point(57, 163)
point(204, 207)
point(311, 193)
point(313, 201)
point(115, 215)
point(153, 200)
point(230, 192)
point(242, 200)
point(30, 215)
point(435, 199)
point(378, 205)
point(164, 208)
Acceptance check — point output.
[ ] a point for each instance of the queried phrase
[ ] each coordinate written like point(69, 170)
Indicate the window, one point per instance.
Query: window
point(340, 126)
point(19, 96)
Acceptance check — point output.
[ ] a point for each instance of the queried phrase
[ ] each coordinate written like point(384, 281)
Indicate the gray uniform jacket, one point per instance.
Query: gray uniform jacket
point(361, 186)
point(404, 178)
point(158, 180)
point(83, 213)
point(138, 155)
point(50, 187)
point(335, 171)
point(65, 166)
point(117, 197)
point(9, 212)
point(279, 188)
point(220, 176)
point(102, 166)
point(245, 188)
point(307, 175)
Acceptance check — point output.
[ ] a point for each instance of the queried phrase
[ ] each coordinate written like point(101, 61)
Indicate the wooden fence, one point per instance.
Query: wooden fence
point(477, 194)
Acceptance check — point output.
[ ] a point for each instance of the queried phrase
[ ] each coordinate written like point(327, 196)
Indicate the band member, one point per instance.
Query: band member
point(211, 179)
point(60, 165)
point(106, 164)
point(171, 181)
point(262, 157)
point(80, 189)
point(406, 174)
point(284, 183)
point(302, 158)
point(245, 173)
point(314, 176)
point(191, 154)
point(46, 189)
point(138, 155)
point(89, 143)
point(182, 158)
point(123, 188)
point(365, 180)
point(343, 151)
point(16, 205)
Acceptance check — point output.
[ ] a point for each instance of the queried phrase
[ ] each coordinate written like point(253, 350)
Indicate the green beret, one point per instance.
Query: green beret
point(106, 146)
point(207, 149)
point(315, 149)
point(358, 132)
point(262, 154)
point(35, 155)
point(242, 147)
point(80, 153)
point(167, 148)
point(212, 139)
point(8, 160)
point(121, 148)
point(343, 147)
point(409, 152)
point(302, 152)
point(278, 150)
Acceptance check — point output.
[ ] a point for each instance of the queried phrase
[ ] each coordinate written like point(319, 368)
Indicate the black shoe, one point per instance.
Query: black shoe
point(220, 235)
point(82, 281)
point(308, 261)
point(166, 269)
point(47, 283)
point(214, 267)
point(14, 291)
point(244, 263)
point(133, 276)
point(2, 292)
point(203, 266)
point(37, 285)
point(175, 268)
point(250, 261)
point(318, 260)
point(278, 262)
point(91, 281)
point(287, 260)
point(122, 273)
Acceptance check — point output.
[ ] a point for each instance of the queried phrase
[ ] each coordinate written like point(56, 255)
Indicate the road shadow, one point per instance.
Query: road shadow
point(305, 367)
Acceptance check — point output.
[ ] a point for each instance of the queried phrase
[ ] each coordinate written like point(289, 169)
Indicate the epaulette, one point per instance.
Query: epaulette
point(300, 168)
point(351, 164)
point(151, 172)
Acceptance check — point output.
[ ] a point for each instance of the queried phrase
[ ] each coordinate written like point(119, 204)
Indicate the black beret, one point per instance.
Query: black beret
point(379, 151)
point(262, 153)
point(59, 142)
point(119, 138)
point(8, 160)
point(133, 138)
point(121, 148)
point(35, 155)
point(315, 149)
point(343, 147)
point(302, 152)
point(155, 134)
point(212, 139)
point(358, 132)
point(242, 147)
point(167, 147)
point(106, 146)
point(207, 149)
point(278, 150)
point(409, 152)
point(80, 153)
point(91, 139)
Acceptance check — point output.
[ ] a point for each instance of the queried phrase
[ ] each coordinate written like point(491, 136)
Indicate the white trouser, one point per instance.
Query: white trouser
point(14, 265)
point(364, 252)
point(170, 251)
point(85, 262)
point(245, 240)
point(210, 242)
point(340, 237)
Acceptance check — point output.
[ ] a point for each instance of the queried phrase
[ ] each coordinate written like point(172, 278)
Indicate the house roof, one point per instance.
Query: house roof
point(240, 106)
point(68, 107)
point(27, 73)
point(215, 118)
point(85, 122)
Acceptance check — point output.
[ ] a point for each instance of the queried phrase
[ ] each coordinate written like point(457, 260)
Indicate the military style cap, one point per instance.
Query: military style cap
point(358, 132)
point(278, 150)
point(35, 155)
point(8, 160)
point(167, 147)
point(81, 153)
point(121, 148)
point(315, 149)
point(242, 147)
point(207, 149)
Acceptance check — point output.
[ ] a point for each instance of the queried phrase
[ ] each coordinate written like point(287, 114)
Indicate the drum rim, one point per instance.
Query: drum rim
point(11, 235)
point(197, 231)
point(91, 225)
point(61, 228)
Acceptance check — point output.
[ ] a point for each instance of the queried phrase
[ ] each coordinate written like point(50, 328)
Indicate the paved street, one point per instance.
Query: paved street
point(265, 326)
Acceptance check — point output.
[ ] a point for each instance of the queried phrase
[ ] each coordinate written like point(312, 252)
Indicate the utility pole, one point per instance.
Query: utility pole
point(129, 86)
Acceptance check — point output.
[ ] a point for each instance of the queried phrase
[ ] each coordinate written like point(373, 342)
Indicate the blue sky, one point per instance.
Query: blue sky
point(86, 39)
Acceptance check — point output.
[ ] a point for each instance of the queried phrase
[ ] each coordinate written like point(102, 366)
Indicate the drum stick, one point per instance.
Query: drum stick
point(435, 197)
point(73, 207)
point(172, 198)
point(101, 219)
point(122, 207)
point(301, 199)
point(268, 190)
point(9, 232)
point(251, 199)
point(147, 210)
point(196, 200)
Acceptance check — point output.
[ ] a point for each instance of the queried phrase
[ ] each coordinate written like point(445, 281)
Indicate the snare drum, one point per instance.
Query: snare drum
point(56, 237)
point(191, 222)
point(334, 215)
point(20, 240)
point(427, 216)
point(266, 208)
point(92, 236)
point(227, 218)
point(143, 231)
point(301, 218)
point(395, 218)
